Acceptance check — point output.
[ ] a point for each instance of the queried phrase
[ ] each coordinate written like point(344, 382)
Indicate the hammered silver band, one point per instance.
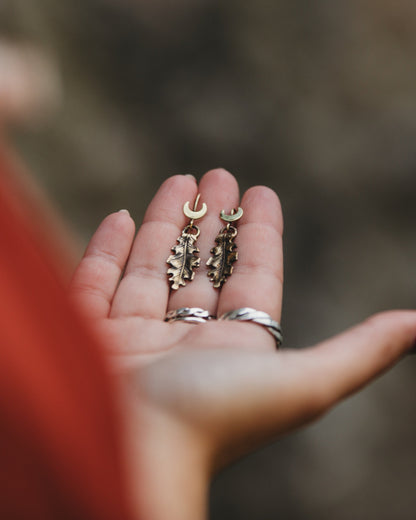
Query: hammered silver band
point(259, 317)
point(189, 315)
point(198, 315)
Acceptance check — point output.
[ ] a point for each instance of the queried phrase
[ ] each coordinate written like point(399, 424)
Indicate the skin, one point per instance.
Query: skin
point(197, 397)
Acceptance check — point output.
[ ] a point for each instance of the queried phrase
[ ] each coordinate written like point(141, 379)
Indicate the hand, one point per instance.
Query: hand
point(198, 396)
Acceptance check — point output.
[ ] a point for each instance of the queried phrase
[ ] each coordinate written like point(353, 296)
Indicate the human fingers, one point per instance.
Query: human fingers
point(96, 278)
point(144, 289)
point(257, 280)
point(219, 190)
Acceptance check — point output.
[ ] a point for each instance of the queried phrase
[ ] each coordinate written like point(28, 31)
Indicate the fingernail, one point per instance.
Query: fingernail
point(191, 176)
point(125, 211)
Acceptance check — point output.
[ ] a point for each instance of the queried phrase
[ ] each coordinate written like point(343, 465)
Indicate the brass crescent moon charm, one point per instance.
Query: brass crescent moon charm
point(233, 217)
point(194, 214)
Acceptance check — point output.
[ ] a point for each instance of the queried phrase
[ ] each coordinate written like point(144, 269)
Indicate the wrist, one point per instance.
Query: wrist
point(167, 469)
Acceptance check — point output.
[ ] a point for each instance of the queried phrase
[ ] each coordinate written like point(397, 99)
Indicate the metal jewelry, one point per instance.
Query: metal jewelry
point(259, 317)
point(189, 315)
point(224, 254)
point(185, 259)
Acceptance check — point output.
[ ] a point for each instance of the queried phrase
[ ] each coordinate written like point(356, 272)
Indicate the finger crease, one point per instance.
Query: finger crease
point(262, 225)
point(251, 269)
point(89, 290)
point(106, 256)
point(146, 271)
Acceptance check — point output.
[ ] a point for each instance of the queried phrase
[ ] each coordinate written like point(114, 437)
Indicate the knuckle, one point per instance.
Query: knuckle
point(379, 318)
point(388, 320)
point(105, 256)
point(320, 399)
point(389, 330)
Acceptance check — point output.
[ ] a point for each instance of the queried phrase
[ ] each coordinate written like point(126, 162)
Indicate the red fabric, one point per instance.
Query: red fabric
point(60, 454)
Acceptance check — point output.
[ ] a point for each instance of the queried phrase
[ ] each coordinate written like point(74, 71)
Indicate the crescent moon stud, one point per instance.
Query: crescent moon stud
point(193, 214)
point(233, 217)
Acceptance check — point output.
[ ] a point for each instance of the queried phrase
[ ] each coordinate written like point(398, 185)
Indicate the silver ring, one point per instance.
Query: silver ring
point(189, 314)
point(259, 317)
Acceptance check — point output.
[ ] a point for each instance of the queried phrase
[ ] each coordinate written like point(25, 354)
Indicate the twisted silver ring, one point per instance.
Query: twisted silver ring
point(189, 314)
point(259, 317)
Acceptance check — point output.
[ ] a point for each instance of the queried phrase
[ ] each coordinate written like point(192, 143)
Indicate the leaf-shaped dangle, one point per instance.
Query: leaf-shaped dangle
point(185, 259)
point(224, 255)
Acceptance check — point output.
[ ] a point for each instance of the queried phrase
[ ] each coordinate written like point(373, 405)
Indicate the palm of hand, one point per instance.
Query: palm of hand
point(197, 361)
point(220, 384)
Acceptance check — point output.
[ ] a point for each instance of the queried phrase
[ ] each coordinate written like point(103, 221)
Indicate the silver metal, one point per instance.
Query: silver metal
point(189, 314)
point(259, 317)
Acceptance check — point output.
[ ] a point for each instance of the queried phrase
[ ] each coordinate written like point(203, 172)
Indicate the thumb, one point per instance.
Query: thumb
point(278, 392)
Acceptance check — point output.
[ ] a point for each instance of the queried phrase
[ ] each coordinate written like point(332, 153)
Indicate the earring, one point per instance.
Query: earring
point(224, 254)
point(185, 259)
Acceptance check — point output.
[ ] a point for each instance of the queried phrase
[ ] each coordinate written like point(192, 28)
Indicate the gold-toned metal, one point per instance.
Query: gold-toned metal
point(183, 261)
point(185, 258)
point(224, 254)
point(223, 257)
point(233, 217)
point(194, 214)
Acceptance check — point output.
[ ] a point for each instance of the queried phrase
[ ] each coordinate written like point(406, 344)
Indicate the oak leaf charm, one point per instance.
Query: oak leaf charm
point(224, 255)
point(183, 261)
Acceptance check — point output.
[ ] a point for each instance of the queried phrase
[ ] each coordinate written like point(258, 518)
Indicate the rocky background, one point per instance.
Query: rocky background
point(315, 99)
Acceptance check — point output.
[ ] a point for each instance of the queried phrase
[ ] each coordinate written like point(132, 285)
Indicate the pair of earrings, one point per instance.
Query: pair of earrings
point(184, 261)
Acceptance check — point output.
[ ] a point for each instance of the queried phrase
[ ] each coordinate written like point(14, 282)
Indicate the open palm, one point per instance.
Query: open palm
point(201, 395)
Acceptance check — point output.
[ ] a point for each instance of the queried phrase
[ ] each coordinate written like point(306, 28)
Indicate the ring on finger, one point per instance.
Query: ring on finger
point(189, 315)
point(259, 317)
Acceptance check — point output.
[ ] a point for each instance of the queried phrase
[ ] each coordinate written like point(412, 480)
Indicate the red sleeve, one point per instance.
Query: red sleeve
point(60, 450)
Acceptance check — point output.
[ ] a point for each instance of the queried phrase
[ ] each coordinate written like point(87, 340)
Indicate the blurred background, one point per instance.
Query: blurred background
point(316, 99)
